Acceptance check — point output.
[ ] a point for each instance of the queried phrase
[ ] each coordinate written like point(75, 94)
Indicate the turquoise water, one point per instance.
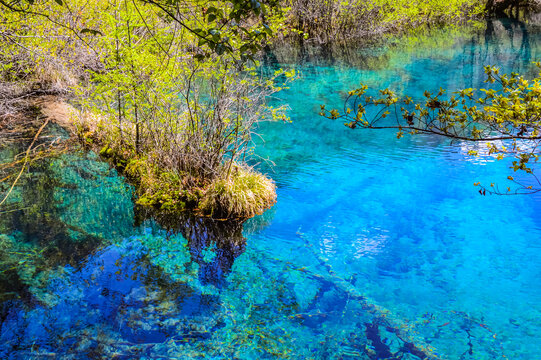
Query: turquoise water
point(377, 248)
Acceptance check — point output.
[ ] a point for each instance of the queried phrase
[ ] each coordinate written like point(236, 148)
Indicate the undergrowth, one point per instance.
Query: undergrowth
point(323, 21)
point(239, 193)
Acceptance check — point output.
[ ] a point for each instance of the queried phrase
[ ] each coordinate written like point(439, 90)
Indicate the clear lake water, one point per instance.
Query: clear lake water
point(377, 248)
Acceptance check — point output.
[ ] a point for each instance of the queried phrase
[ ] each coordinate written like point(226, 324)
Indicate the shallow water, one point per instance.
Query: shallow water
point(374, 242)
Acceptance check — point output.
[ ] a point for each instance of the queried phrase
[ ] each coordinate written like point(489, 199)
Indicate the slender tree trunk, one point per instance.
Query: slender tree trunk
point(119, 94)
point(135, 99)
point(137, 127)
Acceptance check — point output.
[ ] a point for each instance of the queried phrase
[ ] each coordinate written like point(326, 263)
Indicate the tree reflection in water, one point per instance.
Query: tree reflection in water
point(223, 238)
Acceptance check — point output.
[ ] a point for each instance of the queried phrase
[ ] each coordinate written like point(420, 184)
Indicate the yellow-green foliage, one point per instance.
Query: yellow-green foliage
point(36, 46)
point(168, 103)
point(505, 119)
point(331, 20)
point(245, 193)
point(402, 14)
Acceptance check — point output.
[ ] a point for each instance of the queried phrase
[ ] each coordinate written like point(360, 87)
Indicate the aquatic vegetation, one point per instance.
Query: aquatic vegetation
point(327, 22)
point(46, 223)
point(240, 193)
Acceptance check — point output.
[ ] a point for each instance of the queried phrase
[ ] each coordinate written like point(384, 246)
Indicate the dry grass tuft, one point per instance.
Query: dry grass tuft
point(244, 194)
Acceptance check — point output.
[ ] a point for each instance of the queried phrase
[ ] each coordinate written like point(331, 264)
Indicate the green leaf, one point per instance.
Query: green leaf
point(200, 57)
point(267, 29)
point(91, 31)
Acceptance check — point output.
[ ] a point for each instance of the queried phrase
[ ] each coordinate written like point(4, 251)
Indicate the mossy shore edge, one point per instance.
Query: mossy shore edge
point(240, 195)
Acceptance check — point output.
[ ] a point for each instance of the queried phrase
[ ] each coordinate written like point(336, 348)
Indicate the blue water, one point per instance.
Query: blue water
point(377, 247)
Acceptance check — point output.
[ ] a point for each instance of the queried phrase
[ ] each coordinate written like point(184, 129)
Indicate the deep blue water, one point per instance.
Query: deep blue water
point(377, 247)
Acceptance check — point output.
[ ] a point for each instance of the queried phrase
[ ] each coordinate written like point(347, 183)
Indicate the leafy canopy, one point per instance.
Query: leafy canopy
point(235, 27)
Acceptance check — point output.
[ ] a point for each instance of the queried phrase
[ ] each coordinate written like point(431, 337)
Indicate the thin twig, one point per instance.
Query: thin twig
point(25, 160)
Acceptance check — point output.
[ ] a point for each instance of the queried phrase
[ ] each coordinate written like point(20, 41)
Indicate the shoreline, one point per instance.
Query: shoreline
point(201, 200)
